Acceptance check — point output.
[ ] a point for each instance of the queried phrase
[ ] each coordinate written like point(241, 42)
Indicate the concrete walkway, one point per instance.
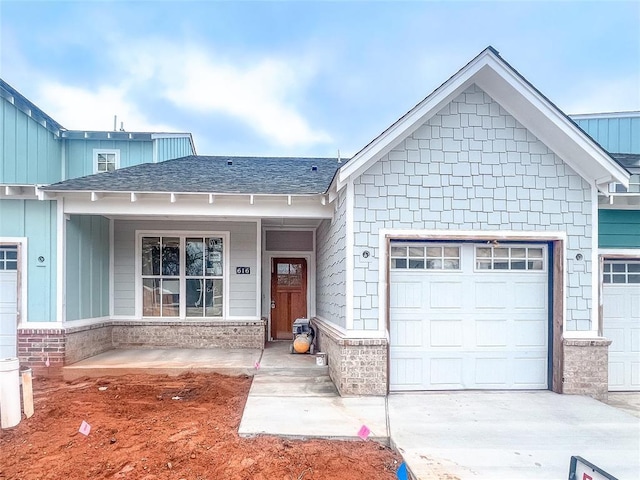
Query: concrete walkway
point(511, 435)
point(168, 361)
point(292, 397)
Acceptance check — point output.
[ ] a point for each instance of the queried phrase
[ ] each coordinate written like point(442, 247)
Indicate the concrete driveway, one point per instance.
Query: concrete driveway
point(511, 435)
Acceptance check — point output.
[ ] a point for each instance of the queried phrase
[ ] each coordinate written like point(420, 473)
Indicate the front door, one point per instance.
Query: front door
point(288, 295)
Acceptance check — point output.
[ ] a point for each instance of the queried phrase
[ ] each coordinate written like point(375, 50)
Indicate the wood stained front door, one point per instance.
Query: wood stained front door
point(288, 295)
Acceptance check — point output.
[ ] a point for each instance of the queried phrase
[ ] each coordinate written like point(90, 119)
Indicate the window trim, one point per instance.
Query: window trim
point(182, 235)
point(98, 151)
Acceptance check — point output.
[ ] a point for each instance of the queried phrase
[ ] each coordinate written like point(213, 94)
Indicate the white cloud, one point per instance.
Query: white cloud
point(83, 109)
point(260, 92)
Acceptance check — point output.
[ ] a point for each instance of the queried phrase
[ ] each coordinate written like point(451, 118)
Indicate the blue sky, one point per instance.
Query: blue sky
point(301, 78)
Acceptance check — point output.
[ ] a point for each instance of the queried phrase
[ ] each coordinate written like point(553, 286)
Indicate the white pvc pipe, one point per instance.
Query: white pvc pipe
point(10, 414)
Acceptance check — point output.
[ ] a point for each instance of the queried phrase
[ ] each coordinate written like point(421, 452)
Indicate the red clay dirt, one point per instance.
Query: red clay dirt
point(158, 427)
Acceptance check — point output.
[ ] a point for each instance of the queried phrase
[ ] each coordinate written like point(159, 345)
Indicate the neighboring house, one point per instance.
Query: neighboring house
point(619, 246)
point(55, 266)
point(457, 250)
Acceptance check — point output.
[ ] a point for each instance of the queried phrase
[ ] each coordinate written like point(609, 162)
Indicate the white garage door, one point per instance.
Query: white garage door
point(621, 312)
point(8, 300)
point(468, 316)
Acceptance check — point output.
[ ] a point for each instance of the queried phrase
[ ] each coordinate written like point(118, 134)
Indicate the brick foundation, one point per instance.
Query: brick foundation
point(71, 344)
point(356, 366)
point(586, 367)
point(39, 347)
point(189, 335)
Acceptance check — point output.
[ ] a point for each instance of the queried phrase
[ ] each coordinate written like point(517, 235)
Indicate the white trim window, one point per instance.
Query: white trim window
point(8, 257)
point(183, 275)
point(510, 258)
point(621, 271)
point(105, 160)
point(424, 256)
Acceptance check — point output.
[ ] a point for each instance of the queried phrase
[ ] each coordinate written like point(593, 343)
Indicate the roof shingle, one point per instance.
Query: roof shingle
point(214, 174)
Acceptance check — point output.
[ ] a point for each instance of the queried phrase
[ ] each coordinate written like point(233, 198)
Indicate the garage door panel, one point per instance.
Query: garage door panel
point(491, 333)
point(530, 295)
point(407, 373)
point(445, 295)
point(635, 374)
point(530, 333)
point(445, 333)
point(406, 294)
point(446, 372)
point(490, 295)
point(472, 331)
point(490, 372)
point(621, 323)
point(408, 333)
point(8, 312)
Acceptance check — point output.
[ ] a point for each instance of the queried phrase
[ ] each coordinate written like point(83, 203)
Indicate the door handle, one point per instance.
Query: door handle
point(273, 304)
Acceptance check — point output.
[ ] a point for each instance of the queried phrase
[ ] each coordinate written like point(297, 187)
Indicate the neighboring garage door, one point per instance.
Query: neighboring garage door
point(8, 300)
point(468, 316)
point(621, 312)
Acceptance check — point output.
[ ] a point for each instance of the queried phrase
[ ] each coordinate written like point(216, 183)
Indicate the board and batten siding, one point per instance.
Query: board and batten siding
point(87, 267)
point(614, 134)
point(30, 153)
point(173, 147)
point(35, 220)
point(473, 167)
point(243, 253)
point(80, 160)
point(619, 228)
point(330, 266)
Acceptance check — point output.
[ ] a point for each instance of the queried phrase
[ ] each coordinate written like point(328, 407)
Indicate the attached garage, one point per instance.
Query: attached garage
point(8, 300)
point(468, 316)
point(621, 319)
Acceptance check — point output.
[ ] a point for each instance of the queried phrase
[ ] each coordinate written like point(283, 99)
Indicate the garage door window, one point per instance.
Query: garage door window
point(425, 257)
point(622, 272)
point(510, 258)
point(8, 258)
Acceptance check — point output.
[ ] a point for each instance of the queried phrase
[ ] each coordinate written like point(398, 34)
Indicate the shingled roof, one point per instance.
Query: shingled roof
point(217, 174)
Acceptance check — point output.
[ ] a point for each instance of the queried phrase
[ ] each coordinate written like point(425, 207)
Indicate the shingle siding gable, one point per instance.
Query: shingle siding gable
point(473, 167)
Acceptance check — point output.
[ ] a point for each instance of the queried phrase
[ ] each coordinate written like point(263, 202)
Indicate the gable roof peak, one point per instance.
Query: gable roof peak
point(504, 84)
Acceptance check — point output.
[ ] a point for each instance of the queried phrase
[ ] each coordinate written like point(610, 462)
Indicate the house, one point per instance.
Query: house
point(457, 250)
point(619, 246)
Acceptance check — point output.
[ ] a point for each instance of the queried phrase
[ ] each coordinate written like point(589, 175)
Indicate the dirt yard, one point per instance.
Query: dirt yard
point(158, 427)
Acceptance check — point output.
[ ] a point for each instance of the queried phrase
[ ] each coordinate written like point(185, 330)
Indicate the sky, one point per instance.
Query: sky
point(301, 78)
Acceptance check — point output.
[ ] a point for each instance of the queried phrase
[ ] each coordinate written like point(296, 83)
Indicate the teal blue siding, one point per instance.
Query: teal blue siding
point(31, 154)
point(169, 148)
point(87, 267)
point(35, 220)
point(616, 135)
point(80, 154)
point(619, 228)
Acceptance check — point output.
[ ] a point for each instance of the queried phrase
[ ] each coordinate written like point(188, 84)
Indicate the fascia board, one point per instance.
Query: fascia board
point(548, 123)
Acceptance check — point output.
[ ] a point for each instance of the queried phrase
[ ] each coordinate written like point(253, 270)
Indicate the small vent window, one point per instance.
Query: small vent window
point(621, 271)
point(425, 257)
point(106, 160)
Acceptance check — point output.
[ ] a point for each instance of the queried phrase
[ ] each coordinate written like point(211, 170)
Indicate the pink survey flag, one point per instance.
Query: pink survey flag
point(364, 432)
point(85, 428)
